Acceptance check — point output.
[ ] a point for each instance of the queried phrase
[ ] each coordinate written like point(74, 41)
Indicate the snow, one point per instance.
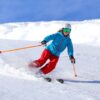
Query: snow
point(17, 82)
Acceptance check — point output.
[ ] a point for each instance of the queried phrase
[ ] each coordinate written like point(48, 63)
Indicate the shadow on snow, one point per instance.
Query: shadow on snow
point(82, 81)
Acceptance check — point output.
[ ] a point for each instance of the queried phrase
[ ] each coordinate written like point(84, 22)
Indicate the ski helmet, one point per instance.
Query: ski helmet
point(68, 26)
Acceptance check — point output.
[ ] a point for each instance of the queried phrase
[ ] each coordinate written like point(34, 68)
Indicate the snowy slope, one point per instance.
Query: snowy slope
point(18, 83)
point(87, 31)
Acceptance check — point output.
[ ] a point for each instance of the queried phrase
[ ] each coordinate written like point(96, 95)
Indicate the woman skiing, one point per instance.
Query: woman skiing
point(60, 41)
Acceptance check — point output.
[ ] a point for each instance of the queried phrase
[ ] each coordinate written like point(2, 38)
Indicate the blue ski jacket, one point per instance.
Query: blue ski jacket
point(58, 43)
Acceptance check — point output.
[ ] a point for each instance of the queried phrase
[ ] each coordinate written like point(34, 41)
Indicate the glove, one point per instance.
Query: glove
point(43, 42)
point(72, 59)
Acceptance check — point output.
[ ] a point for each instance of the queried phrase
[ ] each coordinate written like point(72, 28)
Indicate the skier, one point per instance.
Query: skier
point(60, 41)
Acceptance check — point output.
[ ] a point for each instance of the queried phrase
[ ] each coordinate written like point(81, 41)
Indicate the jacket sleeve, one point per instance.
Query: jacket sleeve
point(70, 48)
point(50, 37)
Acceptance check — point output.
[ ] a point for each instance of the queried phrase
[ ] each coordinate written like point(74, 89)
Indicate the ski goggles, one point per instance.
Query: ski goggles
point(67, 30)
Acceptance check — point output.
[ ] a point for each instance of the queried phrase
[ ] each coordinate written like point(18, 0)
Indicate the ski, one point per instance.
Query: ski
point(60, 80)
point(48, 79)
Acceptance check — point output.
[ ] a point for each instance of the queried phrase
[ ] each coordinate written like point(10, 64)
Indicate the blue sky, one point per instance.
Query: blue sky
point(48, 10)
